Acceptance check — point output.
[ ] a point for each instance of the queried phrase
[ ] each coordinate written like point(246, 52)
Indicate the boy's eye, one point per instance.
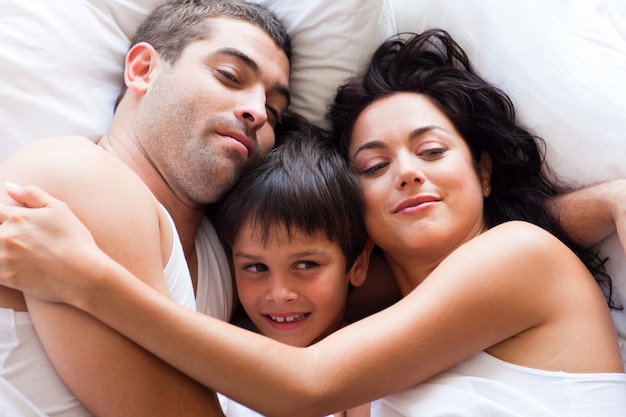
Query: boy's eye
point(256, 268)
point(306, 265)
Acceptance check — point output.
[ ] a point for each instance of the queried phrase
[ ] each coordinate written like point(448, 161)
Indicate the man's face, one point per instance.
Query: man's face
point(215, 109)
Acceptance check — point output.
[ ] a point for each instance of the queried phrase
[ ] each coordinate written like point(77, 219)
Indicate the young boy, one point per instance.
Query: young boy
point(294, 229)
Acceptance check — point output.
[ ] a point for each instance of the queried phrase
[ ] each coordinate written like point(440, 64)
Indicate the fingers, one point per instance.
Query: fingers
point(29, 196)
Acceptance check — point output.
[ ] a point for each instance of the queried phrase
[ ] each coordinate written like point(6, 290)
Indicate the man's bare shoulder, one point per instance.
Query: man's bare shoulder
point(56, 154)
point(104, 192)
point(58, 163)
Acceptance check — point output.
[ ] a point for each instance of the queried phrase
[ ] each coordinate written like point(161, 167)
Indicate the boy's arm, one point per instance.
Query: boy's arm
point(108, 373)
point(593, 213)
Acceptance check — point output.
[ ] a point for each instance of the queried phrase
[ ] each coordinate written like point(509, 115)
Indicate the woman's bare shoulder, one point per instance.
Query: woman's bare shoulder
point(519, 238)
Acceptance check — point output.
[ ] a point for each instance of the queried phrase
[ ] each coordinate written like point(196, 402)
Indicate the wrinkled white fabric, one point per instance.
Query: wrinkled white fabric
point(215, 292)
point(485, 386)
point(28, 382)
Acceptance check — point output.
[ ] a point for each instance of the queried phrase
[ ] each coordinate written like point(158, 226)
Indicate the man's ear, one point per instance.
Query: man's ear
point(140, 64)
point(358, 272)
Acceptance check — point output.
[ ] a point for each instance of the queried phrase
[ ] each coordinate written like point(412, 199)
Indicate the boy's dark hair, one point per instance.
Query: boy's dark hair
point(173, 25)
point(302, 184)
point(434, 65)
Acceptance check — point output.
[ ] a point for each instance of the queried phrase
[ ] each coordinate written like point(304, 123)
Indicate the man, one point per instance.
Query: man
point(206, 81)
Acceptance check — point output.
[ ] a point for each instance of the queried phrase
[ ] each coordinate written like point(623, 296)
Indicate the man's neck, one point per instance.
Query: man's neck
point(186, 216)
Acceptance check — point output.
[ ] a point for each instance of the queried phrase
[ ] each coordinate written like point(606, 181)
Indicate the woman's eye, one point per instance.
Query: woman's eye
point(433, 153)
point(368, 172)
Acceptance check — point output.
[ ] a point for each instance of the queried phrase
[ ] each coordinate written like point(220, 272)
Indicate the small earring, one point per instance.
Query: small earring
point(487, 190)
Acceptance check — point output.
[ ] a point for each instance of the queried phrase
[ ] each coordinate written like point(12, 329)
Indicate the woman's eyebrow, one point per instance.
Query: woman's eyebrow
point(414, 134)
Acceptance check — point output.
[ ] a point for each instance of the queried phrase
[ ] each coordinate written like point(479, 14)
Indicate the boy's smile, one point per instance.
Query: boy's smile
point(294, 288)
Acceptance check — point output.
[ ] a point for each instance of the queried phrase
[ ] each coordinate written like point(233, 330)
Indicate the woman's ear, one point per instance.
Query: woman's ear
point(484, 170)
point(358, 272)
point(140, 64)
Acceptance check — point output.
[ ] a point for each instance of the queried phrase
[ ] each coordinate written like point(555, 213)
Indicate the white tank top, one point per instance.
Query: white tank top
point(487, 386)
point(214, 295)
point(29, 385)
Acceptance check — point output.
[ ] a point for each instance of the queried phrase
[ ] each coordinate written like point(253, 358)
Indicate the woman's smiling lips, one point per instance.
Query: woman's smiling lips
point(410, 205)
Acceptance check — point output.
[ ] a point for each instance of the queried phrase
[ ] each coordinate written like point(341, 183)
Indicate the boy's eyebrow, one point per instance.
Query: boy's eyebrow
point(245, 255)
point(308, 253)
point(253, 66)
point(304, 253)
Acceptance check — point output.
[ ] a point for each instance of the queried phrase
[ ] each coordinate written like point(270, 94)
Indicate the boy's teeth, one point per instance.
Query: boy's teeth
point(288, 319)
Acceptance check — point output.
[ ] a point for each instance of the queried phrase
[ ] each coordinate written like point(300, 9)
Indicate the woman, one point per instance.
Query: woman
point(499, 317)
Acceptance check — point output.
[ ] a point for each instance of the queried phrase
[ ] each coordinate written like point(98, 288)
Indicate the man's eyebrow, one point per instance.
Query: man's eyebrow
point(254, 67)
point(236, 53)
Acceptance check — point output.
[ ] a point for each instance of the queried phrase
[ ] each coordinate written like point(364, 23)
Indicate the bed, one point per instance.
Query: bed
point(563, 62)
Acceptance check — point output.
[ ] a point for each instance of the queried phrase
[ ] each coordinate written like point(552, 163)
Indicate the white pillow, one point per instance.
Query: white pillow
point(61, 66)
point(62, 60)
point(331, 41)
point(564, 65)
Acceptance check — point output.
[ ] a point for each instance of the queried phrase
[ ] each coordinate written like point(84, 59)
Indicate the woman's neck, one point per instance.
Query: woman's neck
point(410, 272)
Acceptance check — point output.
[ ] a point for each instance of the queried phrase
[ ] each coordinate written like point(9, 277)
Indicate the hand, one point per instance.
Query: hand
point(45, 250)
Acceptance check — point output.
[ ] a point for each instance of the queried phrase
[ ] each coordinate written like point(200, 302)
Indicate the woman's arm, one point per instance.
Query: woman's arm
point(592, 213)
point(463, 308)
point(456, 312)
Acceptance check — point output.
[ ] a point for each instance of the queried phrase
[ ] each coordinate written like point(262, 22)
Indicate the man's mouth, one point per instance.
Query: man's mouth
point(243, 140)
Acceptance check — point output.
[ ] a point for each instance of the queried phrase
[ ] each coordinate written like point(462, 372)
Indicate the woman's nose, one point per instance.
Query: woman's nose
point(409, 174)
point(407, 181)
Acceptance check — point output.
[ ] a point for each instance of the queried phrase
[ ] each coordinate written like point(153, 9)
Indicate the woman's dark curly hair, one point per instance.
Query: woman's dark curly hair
point(434, 65)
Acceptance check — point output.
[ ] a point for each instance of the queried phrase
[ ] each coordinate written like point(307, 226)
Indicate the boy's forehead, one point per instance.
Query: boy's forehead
point(279, 233)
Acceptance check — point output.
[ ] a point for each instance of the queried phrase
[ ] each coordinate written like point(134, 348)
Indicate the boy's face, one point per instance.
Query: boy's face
point(294, 288)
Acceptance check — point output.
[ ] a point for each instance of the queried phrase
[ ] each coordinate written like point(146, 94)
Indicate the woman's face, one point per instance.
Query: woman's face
point(423, 192)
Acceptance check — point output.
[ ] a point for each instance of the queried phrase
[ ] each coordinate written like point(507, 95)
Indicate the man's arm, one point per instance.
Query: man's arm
point(108, 373)
point(593, 213)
